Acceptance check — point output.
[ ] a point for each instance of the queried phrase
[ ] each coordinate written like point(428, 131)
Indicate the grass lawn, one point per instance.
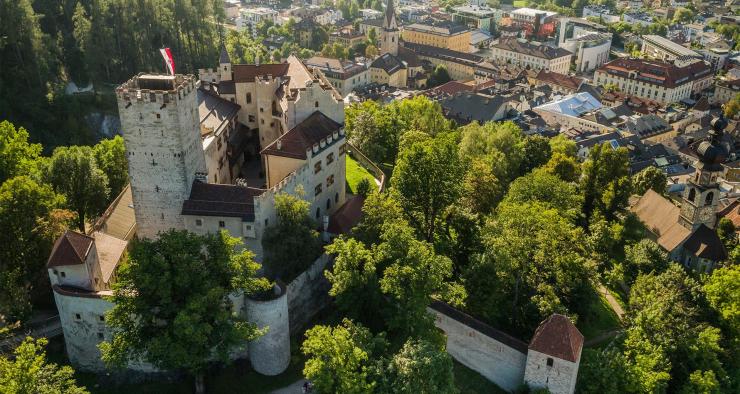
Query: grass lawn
point(520, 3)
point(235, 378)
point(471, 382)
point(600, 318)
point(356, 173)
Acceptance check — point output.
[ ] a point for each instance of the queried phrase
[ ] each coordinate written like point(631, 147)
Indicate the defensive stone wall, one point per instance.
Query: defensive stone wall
point(308, 294)
point(497, 356)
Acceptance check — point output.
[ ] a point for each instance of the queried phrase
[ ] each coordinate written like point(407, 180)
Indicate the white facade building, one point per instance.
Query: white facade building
point(249, 18)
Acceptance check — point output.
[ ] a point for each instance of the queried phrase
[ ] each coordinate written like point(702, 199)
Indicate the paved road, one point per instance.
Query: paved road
point(293, 388)
point(612, 301)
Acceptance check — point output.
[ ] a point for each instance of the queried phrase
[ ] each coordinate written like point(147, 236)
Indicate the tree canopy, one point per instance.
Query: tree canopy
point(28, 371)
point(172, 306)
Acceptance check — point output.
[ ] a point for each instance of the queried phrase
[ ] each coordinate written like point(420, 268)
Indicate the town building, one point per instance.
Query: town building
point(559, 83)
point(688, 232)
point(589, 42)
point(572, 112)
point(531, 55)
point(657, 80)
point(249, 18)
point(602, 12)
point(344, 75)
point(533, 22)
point(442, 34)
point(657, 47)
point(725, 90)
point(637, 18)
point(347, 38)
point(474, 16)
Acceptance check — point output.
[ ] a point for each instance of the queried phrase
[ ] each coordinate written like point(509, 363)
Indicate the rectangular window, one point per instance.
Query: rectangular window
point(249, 98)
point(221, 224)
point(330, 180)
point(251, 118)
point(198, 222)
point(78, 316)
point(64, 275)
point(343, 149)
point(329, 158)
point(101, 318)
point(549, 361)
point(317, 167)
point(100, 335)
point(317, 190)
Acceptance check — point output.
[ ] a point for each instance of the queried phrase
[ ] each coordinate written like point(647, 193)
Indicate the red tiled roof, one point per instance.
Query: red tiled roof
point(347, 216)
point(566, 81)
point(452, 87)
point(248, 72)
point(70, 249)
point(558, 337)
point(303, 136)
point(657, 72)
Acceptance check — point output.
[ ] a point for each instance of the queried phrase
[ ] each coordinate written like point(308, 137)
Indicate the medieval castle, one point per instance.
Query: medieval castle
point(210, 154)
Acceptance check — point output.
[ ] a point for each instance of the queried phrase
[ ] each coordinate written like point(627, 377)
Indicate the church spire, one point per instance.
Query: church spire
point(389, 22)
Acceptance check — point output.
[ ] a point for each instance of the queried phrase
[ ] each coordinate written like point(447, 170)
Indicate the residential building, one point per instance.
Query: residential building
point(344, 75)
point(657, 80)
point(466, 107)
point(725, 90)
point(459, 65)
point(601, 11)
point(389, 70)
point(559, 83)
point(249, 18)
point(369, 13)
point(637, 18)
point(347, 38)
point(328, 17)
point(531, 55)
point(533, 22)
point(589, 42)
point(657, 47)
point(444, 34)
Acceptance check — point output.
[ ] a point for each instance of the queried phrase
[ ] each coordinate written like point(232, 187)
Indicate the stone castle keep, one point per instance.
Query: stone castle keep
point(210, 154)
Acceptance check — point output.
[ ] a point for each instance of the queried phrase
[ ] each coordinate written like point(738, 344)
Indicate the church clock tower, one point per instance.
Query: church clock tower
point(390, 35)
point(699, 204)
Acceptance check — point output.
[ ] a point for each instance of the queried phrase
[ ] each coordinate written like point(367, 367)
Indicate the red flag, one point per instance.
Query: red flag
point(169, 62)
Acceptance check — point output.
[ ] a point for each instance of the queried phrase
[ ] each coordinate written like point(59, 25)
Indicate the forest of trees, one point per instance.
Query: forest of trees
point(512, 228)
point(51, 42)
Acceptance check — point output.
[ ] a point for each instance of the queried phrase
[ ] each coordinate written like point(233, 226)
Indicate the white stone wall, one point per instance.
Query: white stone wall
point(308, 294)
point(70, 275)
point(560, 378)
point(164, 152)
point(270, 353)
point(82, 335)
point(314, 98)
point(494, 360)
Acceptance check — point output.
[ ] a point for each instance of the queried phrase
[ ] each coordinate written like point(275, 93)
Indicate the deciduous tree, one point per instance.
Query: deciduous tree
point(28, 371)
point(421, 367)
point(72, 171)
point(110, 156)
point(172, 306)
point(649, 178)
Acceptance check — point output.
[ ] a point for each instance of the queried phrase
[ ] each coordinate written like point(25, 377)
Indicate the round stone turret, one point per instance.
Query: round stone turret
point(270, 353)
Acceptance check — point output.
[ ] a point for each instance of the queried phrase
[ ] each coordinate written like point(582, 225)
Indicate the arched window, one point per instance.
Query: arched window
point(710, 197)
point(692, 194)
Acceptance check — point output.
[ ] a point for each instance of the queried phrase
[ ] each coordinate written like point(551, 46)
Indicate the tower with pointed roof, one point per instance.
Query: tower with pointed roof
point(390, 35)
point(224, 64)
point(700, 198)
point(554, 356)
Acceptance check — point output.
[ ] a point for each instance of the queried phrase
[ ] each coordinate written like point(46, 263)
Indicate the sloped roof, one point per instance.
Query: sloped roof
point(660, 216)
point(347, 216)
point(224, 56)
point(705, 243)
point(70, 249)
point(527, 48)
point(656, 72)
point(213, 111)
point(248, 72)
point(387, 62)
point(467, 107)
point(210, 199)
point(303, 136)
point(566, 81)
point(110, 249)
point(557, 336)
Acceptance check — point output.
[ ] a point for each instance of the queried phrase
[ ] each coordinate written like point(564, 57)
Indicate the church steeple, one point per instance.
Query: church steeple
point(390, 35)
point(699, 205)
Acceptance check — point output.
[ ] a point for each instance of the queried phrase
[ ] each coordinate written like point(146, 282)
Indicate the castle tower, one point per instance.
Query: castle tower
point(700, 198)
point(224, 65)
point(161, 131)
point(390, 35)
point(270, 353)
point(554, 356)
